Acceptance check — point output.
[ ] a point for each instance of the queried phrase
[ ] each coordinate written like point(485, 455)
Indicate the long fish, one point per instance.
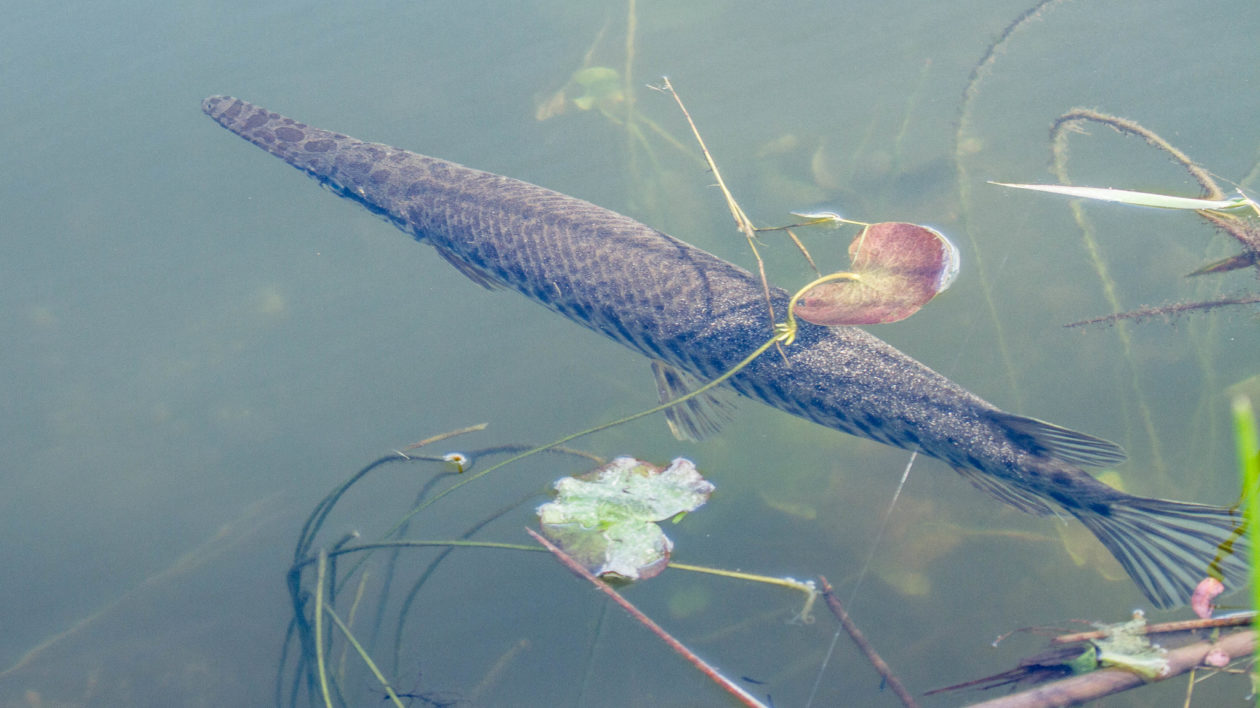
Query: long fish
point(695, 316)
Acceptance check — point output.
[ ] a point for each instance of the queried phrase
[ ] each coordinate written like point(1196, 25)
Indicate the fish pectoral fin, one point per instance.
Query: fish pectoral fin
point(1021, 499)
point(1062, 443)
point(475, 274)
point(696, 418)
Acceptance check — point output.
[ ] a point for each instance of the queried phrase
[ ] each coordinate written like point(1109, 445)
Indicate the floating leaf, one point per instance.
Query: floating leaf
point(1126, 646)
point(1125, 196)
point(605, 518)
point(897, 268)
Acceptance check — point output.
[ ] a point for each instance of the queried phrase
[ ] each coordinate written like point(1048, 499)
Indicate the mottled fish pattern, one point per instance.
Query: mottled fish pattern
point(695, 316)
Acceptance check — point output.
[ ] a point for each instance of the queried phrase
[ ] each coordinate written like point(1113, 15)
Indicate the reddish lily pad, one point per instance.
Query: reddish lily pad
point(897, 268)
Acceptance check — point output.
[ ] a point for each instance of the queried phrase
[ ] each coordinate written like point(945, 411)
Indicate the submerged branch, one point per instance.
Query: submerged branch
point(859, 639)
point(1104, 682)
point(1167, 311)
point(729, 686)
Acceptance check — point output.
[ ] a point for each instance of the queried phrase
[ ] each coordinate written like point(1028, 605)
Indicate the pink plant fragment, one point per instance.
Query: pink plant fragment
point(896, 269)
point(1201, 600)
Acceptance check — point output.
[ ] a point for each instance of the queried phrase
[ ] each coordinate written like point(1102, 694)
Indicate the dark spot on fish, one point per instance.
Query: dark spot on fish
point(254, 121)
point(320, 145)
point(289, 135)
point(379, 177)
point(910, 437)
point(974, 462)
point(1100, 508)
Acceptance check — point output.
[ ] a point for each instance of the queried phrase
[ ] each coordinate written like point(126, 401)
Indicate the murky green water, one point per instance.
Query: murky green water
point(199, 343)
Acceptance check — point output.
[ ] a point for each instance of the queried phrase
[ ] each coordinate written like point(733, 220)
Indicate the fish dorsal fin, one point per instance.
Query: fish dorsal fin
point(1019, 498)
point(698, 417)
point(1067, 445)
point(475, 274)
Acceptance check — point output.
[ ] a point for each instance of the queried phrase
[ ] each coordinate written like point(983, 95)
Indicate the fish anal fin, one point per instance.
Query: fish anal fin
point(698, 417)
point(473, 273)
point(1062, 443)
point(1021, 499)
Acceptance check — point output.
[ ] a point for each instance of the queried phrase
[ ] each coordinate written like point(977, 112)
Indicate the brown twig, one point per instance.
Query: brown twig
point(1104, 682)
point(446, 435)
point(1238, 620)
point(859, 639)
point(578, 569)
point(1168, 310)
point(742, 222)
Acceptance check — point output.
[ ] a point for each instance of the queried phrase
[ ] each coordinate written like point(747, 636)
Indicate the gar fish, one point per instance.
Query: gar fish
point(695, 316)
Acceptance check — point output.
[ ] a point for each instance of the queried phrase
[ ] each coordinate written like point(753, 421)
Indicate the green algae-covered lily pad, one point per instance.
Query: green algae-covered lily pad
point(1126, 646)
point(606, 518)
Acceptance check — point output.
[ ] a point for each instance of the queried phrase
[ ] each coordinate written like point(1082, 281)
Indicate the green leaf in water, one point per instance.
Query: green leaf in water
point(1147, 199)
point(606, 518)
point(1127, 647)
point(602, 88)
point(896, 269)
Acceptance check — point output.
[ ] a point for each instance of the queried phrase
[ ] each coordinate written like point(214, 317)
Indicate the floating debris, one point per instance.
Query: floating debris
point(606, 518)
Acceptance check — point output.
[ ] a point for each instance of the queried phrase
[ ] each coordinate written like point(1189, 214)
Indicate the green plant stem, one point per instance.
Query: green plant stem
point(573, 436)
point(321, 569)
point(345, 631)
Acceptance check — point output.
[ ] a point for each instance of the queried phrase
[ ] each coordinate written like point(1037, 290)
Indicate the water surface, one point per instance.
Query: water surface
point(200, 343)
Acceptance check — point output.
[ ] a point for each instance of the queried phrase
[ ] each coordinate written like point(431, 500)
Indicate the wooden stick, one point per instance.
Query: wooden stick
point(1184, 625)
point(859, 639)
point(731, 687)
point(1103, 682)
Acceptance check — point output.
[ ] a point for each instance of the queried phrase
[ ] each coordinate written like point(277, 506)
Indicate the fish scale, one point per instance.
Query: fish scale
point(695, 313)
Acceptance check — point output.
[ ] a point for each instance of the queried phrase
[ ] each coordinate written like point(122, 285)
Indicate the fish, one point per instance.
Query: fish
point(695, 316)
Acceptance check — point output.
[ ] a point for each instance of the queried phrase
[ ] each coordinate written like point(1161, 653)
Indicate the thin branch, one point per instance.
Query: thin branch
point(1237, 620)
point(578, 569)
point(859, 639)
point(1103, 682)
point(742, 222)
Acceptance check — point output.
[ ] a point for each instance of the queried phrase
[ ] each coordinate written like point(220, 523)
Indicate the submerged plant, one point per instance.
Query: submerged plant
point(1238, 216)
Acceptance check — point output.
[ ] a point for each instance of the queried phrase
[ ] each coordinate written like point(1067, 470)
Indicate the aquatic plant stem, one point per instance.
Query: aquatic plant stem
point(963, 139)
point(742, 222)
point(367, 659)
point(321, 569)
point(705, 668)
point(573, 436)
point(833, 602)
point(1059, 133)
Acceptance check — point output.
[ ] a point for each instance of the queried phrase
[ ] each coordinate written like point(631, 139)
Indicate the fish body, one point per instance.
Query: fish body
point(696, 316)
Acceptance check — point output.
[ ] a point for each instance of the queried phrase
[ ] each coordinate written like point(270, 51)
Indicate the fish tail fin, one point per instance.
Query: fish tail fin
point(1168, 547)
